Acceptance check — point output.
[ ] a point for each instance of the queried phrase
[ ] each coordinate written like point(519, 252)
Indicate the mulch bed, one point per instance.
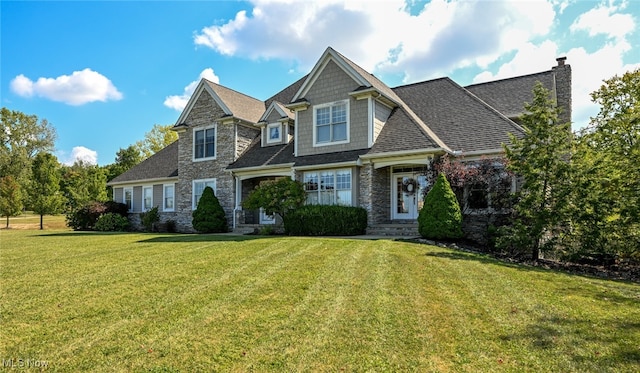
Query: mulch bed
point(618, 271)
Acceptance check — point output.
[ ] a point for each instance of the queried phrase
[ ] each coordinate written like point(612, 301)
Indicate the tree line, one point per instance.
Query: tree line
point(32, 178)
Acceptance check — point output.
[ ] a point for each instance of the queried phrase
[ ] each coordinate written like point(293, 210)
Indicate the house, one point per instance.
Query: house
point(350, 138)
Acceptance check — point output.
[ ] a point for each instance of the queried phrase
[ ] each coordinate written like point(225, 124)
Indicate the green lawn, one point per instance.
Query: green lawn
point(163, 303)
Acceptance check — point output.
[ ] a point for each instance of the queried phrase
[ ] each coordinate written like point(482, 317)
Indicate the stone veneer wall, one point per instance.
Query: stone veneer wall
point(374, 192)
point(563, 90)
point(206, 112)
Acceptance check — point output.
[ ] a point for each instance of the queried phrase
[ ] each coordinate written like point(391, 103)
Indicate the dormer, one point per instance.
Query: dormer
point(276, 125)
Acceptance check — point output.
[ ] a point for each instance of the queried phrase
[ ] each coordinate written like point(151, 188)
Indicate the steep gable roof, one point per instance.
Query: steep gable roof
point(161, 165)
point(232, 103)
point(400, 133)
point(509, 95)
point(464, 122)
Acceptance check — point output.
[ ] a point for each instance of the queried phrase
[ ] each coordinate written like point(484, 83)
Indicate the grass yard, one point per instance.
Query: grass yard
point(30, 221)
point(167, 303)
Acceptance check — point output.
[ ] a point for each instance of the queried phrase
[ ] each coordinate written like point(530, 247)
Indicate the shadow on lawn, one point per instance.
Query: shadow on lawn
point(574, 335)
point(201, 238)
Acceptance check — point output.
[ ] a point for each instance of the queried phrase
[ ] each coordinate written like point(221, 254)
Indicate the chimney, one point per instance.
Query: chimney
point(561, 60)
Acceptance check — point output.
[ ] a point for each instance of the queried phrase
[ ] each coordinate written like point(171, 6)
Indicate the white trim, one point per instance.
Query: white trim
point(371, 118)
point(327, 166)
point(253, 172)
point(271, 126)
point(124, 196)
point(145, 188)
point(164, 197)
point(348, 124)
point(215, 143)
point(133, 183)
point(295, 135)
point(278, 108)
point(202, 86)
point(194, 203)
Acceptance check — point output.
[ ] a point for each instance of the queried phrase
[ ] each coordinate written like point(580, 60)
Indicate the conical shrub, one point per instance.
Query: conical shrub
point(209, 216)
point(440, 217)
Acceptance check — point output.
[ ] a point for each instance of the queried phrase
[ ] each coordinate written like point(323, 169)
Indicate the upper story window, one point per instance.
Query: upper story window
point(204, 143)
point(274, 133)
point(331, 123)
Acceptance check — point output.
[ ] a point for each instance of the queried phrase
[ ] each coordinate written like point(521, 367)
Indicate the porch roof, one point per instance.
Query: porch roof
point(257, 156)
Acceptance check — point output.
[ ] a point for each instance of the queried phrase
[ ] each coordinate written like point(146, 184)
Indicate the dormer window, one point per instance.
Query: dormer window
point(274, 133)
point(331, 123)
point(204, 143)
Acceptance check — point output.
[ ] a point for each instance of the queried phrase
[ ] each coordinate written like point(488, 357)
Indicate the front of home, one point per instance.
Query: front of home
point(346, 135)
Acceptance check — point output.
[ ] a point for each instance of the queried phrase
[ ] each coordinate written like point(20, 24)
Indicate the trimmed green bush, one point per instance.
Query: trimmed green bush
point(324, 220)
point(112, 222)
point(150, 218)
point(85, 217)
point(209, 216)
point(440, 217)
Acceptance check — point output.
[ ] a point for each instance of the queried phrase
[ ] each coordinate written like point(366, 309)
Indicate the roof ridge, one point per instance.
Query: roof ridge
point(510, 78)
point(232, 90)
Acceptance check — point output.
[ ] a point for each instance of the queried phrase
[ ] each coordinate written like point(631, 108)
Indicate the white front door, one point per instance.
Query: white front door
point(407, 195)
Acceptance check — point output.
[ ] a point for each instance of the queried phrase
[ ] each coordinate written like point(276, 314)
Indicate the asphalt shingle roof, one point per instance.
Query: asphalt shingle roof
point(241, 106)
point(257, 156)
point(509, 95)
point(161, 165)
point(461, 120)
point(401, 132)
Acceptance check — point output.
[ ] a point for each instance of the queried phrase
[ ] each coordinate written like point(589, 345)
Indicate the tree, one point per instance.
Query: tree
point(276, 196)
point(157, 139)
point(605, 194)
point(440, 216)
point(10, 197)
point(22, 137)
point(44, 188)
point(82, 183)
point(209, 216)
point(541, 158)
point(125, 160)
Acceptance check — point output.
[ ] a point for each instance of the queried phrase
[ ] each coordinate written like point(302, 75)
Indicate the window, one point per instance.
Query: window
point(478, 197)
point(204, 143)
point(331, 124)
point(127, 198)
point(147, 198)
point(198, 188)
point(274, 133)
point(331, 187)
point(168, 197)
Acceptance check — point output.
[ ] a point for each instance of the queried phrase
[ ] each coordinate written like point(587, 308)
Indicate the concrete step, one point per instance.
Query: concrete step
point(409, 230)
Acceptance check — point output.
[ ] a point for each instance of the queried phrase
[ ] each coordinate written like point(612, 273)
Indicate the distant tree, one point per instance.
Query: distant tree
point(541, 158)
point(157, 139)
point(209, 216)
point(10, 197)
point(44, 188)
point(81, 183)
point(22, 136)
point(276, 196)
point(440, 216)
point(125, 160)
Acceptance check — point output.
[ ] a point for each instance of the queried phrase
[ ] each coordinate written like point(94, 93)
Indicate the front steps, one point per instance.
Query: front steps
point(394, 230)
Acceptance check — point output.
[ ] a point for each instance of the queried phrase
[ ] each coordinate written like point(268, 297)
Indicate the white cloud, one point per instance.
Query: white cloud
point(178, 102)
point(604, 20)
point(80, 153)
point(79, 88)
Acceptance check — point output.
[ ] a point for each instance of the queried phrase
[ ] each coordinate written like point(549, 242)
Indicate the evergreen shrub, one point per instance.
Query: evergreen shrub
point(209, 216)
point(440, 217)
point(150, 218)
point(326, 220)
point(112, 222)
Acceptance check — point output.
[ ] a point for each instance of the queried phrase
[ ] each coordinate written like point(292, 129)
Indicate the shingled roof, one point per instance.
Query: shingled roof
point(464, 122)
point(509, 95)
point(258, 156)
point(401, 132)
point(161, 165)
point(241, 106)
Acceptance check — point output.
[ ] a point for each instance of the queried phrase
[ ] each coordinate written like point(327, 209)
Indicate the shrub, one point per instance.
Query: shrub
point(440, 216)
point(150, 218)
point(209, 216)
point(112, 222)
point(85, 217)
point(324, 220)
point(278, 196)
point(170, 226)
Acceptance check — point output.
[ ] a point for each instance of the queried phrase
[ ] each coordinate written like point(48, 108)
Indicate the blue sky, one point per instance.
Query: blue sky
point(104, 72)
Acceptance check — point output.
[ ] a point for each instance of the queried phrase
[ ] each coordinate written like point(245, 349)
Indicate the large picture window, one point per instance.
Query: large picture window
point(331, 123)
point(204, 143)
point(331, 187)
point(198, 188)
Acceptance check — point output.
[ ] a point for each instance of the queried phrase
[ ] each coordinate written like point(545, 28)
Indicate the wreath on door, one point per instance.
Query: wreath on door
point(409, 186)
